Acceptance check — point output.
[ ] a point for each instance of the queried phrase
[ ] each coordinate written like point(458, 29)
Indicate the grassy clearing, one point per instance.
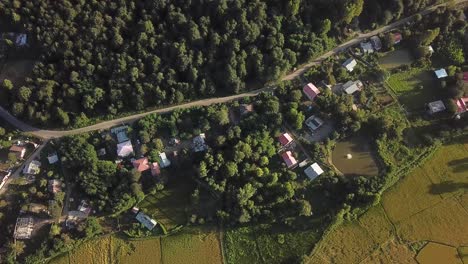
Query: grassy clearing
point(192, 246)
point(377, 224)
point(415, 88)
point(396, 59)
point(265, 244)
point(463, 254)
point(348, 243)
point(444, 223)
point(434, 253)
point(95, 251)
point(390, 253)
point(139, 251)
point(62, 259)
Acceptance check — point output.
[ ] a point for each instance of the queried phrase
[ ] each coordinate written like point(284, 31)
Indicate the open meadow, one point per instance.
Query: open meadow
point(428, 205)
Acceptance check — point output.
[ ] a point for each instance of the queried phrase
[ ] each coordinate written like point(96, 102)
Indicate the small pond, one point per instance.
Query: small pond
point(361, 161)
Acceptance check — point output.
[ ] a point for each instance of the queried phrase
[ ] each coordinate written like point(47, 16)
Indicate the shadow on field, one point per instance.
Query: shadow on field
point(447, 187)
point(459, 165)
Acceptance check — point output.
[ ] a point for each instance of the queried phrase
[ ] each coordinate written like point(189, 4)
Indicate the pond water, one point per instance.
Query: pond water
point(396, 58)
point(362, 161)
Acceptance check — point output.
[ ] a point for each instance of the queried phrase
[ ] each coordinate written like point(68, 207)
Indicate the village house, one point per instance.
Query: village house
point(33, 168)
point(24, 227)
point(313, 171)
point(465, 76)
point(462, 105)
point(155, 169)
point(289, 159)
point(84, 207)
point(199, 143)
point(314, 123)
point(285, 139)
point(120, 133)
point(352, 86)
point(54, 186)
point(366, 47)
point(245, 109)
point(19, 151)
point(376, 43)
point(311, 91)
point(146, 221)
point(124, 149)
point(74, 217)
point(441, 73)
point(349, 64)
point(164, 161)
point(435, 107)
point(52, 158)
point(397, 38)
point(141, 165)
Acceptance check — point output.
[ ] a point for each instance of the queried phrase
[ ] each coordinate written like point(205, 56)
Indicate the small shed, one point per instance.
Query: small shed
point(366, 47)
point(165, 162)
point(313, 171)
point(441, 73)
point(146, 221)
point(311, 91)
point(52, 158)
point(349, 64)
point(436, 107)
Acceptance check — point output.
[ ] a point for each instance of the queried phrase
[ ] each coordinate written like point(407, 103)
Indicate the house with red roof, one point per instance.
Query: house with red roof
point(311, 91)
point(289, 159)
point(462, 105)
point(465, 76)
point(19, 151)
point(141, 164)
point(285, 139)
point(155, 169)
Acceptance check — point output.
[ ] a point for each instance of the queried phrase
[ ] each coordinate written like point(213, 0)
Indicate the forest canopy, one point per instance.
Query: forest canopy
point(100, 58)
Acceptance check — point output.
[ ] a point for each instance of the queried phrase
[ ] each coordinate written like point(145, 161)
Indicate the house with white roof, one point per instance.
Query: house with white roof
point(165, 162)
point(313, 171)
point(441, 73)
point(199, 143)
point(124, 149)
point(52, 158)
point(352, 86)
point(349, 64)
point(33, 168)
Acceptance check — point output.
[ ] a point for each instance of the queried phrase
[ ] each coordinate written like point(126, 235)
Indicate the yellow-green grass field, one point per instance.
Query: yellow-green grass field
point(434, 253)
point(415, 210)
point(195, 245)
point(396, 59)
point(415, 88)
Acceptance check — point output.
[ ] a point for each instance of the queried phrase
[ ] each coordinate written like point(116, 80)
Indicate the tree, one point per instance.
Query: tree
point(7, 84)
point(304, 208)
point(90, 227)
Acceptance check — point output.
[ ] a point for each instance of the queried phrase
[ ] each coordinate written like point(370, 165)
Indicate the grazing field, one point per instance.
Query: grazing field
point(264, 244)
point(195, 245)
point(434, 253)
point(417, 209)
point(138, 251)
point(396, 59)
point(415, 88)
point(362, 162)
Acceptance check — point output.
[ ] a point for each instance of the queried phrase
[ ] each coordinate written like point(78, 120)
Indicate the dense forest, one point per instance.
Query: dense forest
point(101, 58)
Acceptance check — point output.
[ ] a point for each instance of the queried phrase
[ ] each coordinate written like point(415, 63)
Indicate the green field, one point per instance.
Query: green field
point(415, 88)
point(396, 58)
point(427, 205)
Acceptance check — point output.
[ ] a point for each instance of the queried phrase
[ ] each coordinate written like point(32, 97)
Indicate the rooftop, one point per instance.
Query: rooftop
point(313, 171)
point(285, 139)
point(24, 227)
point(289, 159)
point(145, 220)
point(141, 164)
point(199, 143)
point(441, 73)
point(124, 149)
point(436, 106)
point(349, 64)
point(311, 91)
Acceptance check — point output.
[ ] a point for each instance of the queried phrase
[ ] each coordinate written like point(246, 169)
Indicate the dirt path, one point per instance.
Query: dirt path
point(48, 134)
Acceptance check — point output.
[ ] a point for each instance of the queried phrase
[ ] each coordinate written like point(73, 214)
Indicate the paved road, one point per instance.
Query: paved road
point(48, 134)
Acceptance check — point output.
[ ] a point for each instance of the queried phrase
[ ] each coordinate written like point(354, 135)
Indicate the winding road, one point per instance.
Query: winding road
point(49, 134)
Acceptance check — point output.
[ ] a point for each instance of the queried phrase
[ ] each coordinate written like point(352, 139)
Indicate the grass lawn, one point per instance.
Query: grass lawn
point(434, 253)
point(415, 88)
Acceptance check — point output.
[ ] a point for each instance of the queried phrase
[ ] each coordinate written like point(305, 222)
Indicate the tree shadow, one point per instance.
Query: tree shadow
point(459, 165)
point(447, 187)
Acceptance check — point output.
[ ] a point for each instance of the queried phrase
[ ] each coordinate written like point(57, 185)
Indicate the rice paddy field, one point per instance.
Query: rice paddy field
point(427, 206)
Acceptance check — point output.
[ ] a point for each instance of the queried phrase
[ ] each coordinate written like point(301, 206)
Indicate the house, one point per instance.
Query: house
point(74, 217)
point(33, 168)
point(146, 221)
point(465, 76)
point(155, 169)
point(4, 175)
point(141, 164)
point(245, 109)
point(376, 43)
point(311, 91)
point(116, 130)
point(54, 186)
point(21, 40)
point(122, 137)
point(199, 143)
point(314, 123)
point(164, 161)
point(135, 210)
point(285, 139)
point(24, 227)
point(313, 171)
point(124, 149)
point(352, 86)
point(436, 107)
point(366, 47)
point(84, 207)
point(19, 151)
point(441, 73)
point(52, 158)
point(397, 38)
point(349, 64)
point(462, 105)
point(289, 159)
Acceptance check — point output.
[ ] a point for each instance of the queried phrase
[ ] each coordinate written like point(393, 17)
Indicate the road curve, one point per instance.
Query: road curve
point(48, 134)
